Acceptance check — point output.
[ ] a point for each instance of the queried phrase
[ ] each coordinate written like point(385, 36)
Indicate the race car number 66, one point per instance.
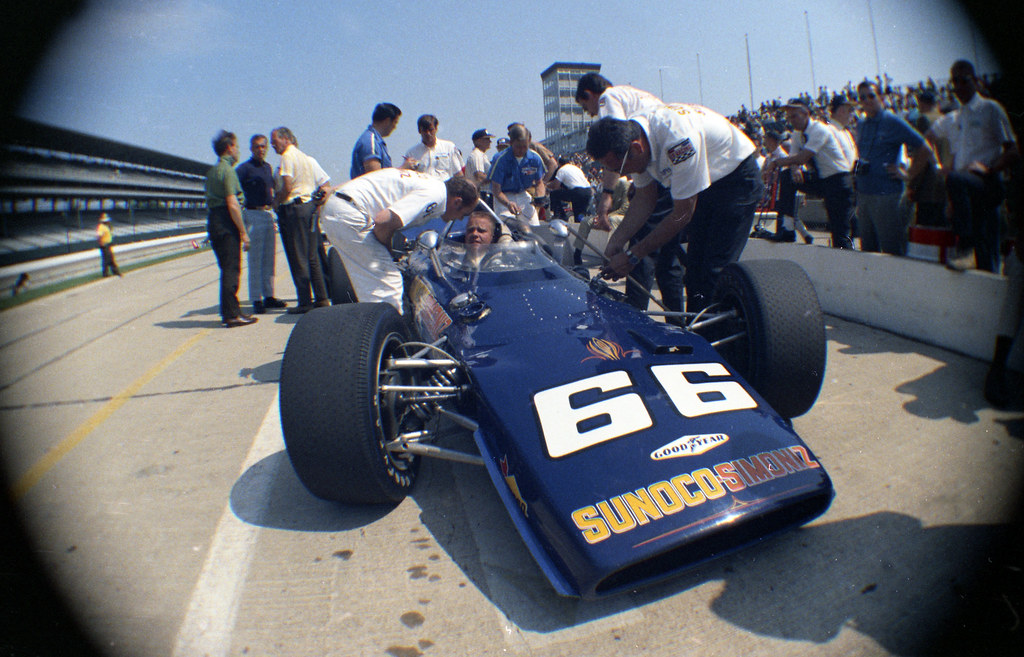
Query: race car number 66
point(620, 415)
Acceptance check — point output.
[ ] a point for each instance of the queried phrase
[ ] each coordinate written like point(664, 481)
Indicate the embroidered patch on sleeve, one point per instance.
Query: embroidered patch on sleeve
point(681, 152)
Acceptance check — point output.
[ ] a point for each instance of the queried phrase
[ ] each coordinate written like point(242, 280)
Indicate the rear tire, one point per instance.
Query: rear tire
point(334, 419)
point(783, 354)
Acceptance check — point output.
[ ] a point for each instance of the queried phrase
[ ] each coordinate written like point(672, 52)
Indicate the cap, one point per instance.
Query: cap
point(104, 218)
point(503, 141)
point(798, 102)
point(481, 133)
point(839, 101)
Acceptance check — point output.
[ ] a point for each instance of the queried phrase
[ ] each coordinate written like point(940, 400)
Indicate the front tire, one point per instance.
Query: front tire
point(335, 420)
point(783, 352)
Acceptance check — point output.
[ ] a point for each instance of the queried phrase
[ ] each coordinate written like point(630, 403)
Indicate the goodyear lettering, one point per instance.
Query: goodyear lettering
point(625, 512)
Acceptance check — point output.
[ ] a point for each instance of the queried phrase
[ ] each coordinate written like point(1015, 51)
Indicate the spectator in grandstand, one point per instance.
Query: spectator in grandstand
point(297, 178)
point(477, 165)
point(600, 98)
point(435, 157)
point(257, 180)
point(818, 146)
point(105, 240)
point(515, 171)
point(711, 169)
point(570, 185)
point(225, 226)
point(371, 151)
point(880, 176)
point(983, 145)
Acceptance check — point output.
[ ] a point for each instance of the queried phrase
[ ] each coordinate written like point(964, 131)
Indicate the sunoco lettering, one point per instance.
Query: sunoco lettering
point(624, 512)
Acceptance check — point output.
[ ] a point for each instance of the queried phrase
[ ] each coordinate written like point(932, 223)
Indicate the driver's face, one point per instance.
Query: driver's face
point(479, 230)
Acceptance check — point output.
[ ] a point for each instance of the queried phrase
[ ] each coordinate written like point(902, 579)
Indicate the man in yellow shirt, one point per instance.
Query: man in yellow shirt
point(105, 239)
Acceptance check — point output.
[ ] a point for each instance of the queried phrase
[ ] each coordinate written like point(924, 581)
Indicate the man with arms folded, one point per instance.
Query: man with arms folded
point(362, 215)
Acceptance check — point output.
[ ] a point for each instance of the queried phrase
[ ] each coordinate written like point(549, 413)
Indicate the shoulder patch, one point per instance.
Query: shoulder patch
point(681, 152)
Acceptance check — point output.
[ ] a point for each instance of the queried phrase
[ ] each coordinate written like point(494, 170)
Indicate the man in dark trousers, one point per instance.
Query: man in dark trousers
point(224, 225)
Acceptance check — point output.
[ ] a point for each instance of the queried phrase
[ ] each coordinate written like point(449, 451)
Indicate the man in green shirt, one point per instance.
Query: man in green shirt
point(224, 224)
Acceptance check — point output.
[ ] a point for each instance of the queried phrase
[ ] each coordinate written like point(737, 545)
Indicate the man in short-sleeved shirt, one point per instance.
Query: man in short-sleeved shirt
point(435, 157)
point(517, 169)
point(296, 179)
point(362, 215)
point(224, 224)
point(711, 169)
point(818, 145)
point(881, 136)
point(371, 151)
point(983, 145)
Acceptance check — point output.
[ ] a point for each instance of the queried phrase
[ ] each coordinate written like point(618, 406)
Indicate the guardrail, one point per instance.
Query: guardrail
point(51, 270)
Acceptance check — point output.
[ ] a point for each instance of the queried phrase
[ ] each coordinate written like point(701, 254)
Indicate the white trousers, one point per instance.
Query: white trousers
point(373, 272)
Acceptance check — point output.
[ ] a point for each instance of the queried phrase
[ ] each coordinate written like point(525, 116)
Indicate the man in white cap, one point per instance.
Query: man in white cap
point(477, 165)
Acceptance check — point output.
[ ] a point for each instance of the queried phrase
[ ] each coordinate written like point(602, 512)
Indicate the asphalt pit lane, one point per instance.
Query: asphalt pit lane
point(412, 619)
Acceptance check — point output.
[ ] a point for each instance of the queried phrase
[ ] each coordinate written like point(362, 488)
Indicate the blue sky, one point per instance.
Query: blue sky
point(167, 74)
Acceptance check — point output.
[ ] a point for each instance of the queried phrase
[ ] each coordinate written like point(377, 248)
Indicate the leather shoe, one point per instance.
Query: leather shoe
point(299, 310)
point(258, 308)
point(241, 320)
point(783, 236)
point(273, 302)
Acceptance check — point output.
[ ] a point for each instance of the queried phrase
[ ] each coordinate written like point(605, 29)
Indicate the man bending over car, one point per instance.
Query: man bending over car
point(362, 215)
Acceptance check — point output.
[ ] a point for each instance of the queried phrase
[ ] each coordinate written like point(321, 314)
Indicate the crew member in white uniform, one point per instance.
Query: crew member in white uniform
point(711, 169)
point(439, 158)
point(362, 215)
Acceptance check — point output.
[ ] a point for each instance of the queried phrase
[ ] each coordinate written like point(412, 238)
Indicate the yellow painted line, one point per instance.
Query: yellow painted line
point(52, 457)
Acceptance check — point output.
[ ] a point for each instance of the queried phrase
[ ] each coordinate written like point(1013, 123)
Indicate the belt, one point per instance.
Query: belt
point(258, 207)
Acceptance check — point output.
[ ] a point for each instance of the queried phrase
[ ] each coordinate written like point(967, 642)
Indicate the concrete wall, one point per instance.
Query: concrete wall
point(913, 298)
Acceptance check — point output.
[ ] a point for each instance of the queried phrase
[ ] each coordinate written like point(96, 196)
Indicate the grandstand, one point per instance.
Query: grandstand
point(54, 183)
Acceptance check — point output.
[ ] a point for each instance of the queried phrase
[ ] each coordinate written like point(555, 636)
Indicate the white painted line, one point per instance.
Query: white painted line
point(210, 619)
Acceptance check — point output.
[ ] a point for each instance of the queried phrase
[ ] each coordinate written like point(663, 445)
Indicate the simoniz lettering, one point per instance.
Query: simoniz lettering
point(626, 511)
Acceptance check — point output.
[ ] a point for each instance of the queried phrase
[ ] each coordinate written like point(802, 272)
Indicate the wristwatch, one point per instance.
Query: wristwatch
point(633, 260)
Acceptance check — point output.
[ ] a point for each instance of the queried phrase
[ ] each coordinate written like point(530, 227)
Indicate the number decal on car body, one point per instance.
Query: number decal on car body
point(569, 426)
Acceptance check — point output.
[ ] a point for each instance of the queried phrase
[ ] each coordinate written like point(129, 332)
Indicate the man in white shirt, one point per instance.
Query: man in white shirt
point(477, 164)
point(820, 146)
point(570, 185)
point(983, 145)
point(711, 169)
point(598, 97)
point(295, 180)
point(362, 215)
point(439, 158)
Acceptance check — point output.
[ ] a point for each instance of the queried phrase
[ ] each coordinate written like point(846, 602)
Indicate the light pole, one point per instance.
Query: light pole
point(810, 50)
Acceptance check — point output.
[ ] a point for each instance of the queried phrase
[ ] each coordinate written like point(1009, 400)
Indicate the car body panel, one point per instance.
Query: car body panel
point(624, 448)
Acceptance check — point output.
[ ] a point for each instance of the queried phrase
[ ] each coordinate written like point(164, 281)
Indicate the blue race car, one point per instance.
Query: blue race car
point(625, 449)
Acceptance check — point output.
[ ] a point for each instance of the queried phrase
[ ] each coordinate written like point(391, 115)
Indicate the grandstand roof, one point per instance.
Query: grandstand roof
point(32, 134)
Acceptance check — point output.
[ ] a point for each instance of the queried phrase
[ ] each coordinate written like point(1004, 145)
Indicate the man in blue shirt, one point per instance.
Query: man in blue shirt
point(882, 222)
point(514, 171)
point(371, 152)
point(257, 180)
